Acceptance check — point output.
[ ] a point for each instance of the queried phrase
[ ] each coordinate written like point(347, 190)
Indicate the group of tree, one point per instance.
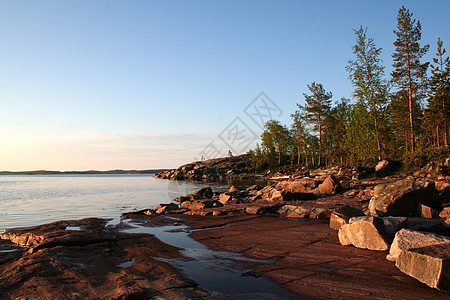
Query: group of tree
point(405, 117)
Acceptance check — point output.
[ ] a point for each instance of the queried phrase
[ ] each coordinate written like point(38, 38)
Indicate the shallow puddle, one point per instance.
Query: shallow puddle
point(8, 250)
point(127, 264)
point(75, 228)
point(216, 271)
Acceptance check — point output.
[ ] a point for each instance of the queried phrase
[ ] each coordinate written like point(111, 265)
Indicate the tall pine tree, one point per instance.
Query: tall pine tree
point(316, 109)
point(409, 73)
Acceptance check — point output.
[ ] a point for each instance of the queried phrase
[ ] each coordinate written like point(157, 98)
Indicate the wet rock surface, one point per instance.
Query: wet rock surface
point(84, 260)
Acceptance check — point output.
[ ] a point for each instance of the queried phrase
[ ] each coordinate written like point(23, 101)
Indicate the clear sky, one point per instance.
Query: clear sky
point(156, 84)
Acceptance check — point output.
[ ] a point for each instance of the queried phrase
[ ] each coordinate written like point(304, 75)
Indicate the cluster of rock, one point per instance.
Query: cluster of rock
point(296, 198)
point(407, 216)
point(210, 170)
point(402, 219)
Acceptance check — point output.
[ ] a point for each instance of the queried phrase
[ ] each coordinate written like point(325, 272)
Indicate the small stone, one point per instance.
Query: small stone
point(427, 212)
point(445, 213)
point(224, 198)
point(233, 189)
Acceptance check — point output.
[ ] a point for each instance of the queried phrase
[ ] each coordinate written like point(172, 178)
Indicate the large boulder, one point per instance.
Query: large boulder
point(330, 186)
point(406, 239)
point(343, 214)
point(366, 233)
point(386, 167)
point(429, 265)
point(402, 198)
point(303, 211)
point(303, 185)
point(393, 224)
point(277, 195)
point(165, 207)
point(203, 193)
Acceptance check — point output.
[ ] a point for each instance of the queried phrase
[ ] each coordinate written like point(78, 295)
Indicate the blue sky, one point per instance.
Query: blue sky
point(150, 84)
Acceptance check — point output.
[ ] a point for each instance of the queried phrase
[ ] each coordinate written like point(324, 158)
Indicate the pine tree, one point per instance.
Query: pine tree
point(409, 73)
point(316, 110)
point(438, 102)
point(367, 75)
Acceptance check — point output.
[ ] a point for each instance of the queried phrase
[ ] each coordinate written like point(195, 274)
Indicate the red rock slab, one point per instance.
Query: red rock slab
point(305, 256)
point(120, 268)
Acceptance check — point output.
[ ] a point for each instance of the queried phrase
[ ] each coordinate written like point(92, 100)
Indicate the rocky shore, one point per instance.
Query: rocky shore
point(211, 170)
point(407, 215)
point(332, 234)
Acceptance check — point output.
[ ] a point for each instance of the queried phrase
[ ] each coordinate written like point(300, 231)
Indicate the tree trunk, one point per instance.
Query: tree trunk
point(441, 63)
point(445, 120)
point(279, 156)
point(320, 142)
point(438, 144)
point(411, 116)
point(406, 141)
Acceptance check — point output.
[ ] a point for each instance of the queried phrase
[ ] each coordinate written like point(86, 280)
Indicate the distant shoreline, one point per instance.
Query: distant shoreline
point(89, 172)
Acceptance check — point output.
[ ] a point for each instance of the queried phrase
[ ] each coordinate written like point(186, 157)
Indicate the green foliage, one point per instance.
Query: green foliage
point(276, 141)
point(335, 130)
point(419, 158)
point(371, 89)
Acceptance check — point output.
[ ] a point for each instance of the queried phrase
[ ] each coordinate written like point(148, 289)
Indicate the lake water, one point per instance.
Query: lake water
point(35, 200)
point(39, 199)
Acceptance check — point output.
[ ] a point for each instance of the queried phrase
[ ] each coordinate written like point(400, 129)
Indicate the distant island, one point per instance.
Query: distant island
point(89, 172)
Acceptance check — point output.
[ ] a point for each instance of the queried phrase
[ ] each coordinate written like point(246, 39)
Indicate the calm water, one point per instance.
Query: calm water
point(34, 200)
